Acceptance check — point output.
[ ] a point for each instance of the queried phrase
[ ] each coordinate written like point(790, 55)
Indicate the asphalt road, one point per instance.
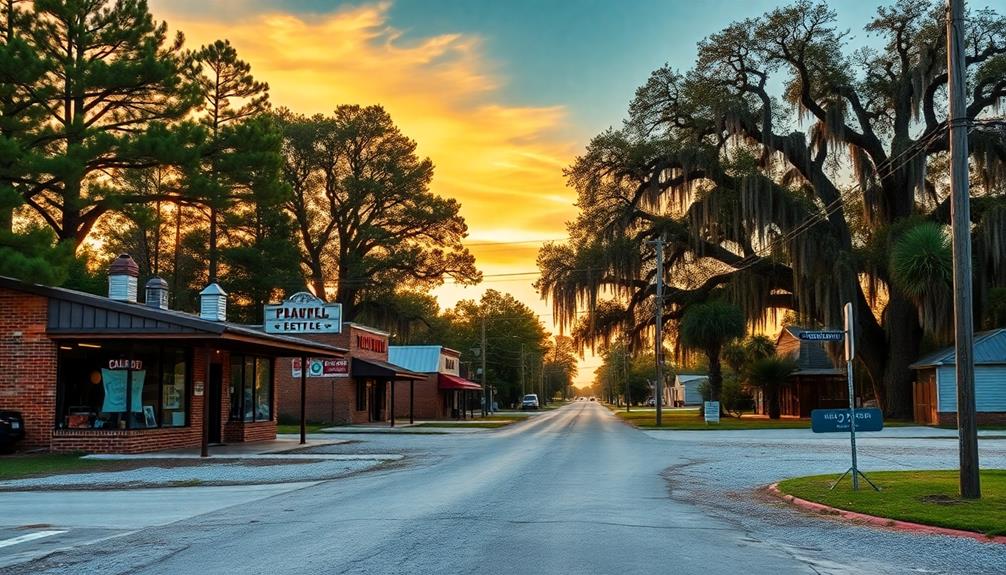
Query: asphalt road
point(571, 491)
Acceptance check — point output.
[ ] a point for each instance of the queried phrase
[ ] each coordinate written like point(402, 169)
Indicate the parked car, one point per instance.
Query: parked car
point(652, 402)
point(592, 398)
point(11, 430)
point(530, 401)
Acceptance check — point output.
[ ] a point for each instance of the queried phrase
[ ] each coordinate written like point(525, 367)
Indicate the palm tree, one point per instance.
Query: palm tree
point(770, 373)
point(707, 327)
point(759, 347)
point(922, 269)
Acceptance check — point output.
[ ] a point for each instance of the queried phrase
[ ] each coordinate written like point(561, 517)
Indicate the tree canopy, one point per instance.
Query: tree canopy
point(780, 170)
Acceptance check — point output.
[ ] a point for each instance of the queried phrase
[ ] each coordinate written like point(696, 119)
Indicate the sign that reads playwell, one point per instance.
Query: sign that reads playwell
point(303, 313)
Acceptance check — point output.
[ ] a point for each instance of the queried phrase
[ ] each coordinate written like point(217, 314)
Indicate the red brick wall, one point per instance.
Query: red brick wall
point(329, 400)
point(27, 365)
point(429, 400)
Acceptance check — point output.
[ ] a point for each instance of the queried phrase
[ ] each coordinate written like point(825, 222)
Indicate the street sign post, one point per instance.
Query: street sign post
point(854, 418)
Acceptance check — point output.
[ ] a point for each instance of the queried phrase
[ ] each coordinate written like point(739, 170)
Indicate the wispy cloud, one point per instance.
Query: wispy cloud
point(503, 162)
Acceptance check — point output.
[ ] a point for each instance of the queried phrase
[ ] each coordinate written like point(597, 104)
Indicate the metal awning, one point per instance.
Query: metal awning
point(446, 381)
point(381, 369)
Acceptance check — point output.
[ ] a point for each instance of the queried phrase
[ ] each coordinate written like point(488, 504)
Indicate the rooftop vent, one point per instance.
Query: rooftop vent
point(213, 303)
point(122, 280)
point(157, 293)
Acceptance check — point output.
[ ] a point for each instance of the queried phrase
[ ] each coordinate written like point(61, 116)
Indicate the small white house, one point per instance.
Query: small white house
point(686, 389)
point(935, 391)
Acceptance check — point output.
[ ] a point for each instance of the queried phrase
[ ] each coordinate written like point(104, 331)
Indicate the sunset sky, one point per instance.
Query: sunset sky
point(501, 95)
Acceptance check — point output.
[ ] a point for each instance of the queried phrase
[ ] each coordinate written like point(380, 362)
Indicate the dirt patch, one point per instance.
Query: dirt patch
point(940, 500)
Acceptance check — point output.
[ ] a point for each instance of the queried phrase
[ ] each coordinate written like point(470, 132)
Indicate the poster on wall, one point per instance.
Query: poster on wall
point(323, 367)
point(114, 381)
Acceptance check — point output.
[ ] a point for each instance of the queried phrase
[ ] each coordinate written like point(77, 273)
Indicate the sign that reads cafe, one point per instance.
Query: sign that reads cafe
point(303, 313)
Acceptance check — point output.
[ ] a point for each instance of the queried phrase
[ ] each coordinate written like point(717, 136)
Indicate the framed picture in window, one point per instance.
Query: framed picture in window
point(148, 416)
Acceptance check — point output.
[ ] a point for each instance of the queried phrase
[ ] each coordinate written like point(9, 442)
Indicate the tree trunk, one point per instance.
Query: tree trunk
point(903, 338)
point(715, 373)
point(772, 396)
point(213, 245)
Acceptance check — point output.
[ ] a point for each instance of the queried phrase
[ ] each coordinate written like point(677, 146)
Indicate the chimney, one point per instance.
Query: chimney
point(213, 303)
point(157, 293)
point(122, 280)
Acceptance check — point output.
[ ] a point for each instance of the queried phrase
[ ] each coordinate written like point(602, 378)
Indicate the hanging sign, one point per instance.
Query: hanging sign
point(303, 313)
point(322, 367)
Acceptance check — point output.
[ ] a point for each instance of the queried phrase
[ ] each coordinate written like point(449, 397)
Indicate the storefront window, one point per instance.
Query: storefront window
point(121, 386)
point(251, 388)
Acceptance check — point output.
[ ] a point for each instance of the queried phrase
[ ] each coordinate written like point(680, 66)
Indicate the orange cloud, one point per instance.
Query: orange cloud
point(502, 162)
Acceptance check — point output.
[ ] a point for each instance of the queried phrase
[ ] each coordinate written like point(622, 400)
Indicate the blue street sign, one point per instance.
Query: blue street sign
point(837, 420)
point(822, 335)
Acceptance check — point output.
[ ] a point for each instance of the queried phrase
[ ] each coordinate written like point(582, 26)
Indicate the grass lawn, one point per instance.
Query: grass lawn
point(18, 466)
point(295, 428)
point(928, 497)
point(690, 420)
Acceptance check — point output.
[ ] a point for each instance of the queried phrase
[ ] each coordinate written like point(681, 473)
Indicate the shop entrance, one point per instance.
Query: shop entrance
point(376, 400)
point(214, 397)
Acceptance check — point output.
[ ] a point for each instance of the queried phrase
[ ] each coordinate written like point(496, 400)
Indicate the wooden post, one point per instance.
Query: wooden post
point(303, 399)
point(392, 407)
point(960, 216)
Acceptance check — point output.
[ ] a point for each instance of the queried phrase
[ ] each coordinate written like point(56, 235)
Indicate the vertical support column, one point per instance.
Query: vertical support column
point(204, 450)
point(303, 399)
point(412, 401)
point(392, 406)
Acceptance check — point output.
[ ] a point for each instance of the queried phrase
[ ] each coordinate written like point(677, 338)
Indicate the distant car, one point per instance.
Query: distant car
point(592, 399)
point(652, 402)
point(530, 401)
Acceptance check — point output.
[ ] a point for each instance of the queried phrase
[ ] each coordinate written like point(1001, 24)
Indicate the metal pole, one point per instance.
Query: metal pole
point(658, 338)
point(850, 352)
point(625, 376)
point(204, 450)
point(303, 399)
point(960, 216)
point(486, 396)
point(412, 401)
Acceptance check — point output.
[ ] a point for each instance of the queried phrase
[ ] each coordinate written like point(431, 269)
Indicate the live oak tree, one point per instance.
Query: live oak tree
point(781, 169)
point(364, 209)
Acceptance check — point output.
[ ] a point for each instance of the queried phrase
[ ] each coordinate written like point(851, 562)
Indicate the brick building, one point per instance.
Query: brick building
point(360, 392)
point(109, 374)
point(442, 392)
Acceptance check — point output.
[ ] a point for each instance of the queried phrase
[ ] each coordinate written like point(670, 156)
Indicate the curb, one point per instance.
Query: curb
point(873, 520)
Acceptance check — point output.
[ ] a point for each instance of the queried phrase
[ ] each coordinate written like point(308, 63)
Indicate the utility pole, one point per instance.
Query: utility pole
point(522, 371)
point(658, 338)
point(625, 375)
point(486, 394)
point(960, 216)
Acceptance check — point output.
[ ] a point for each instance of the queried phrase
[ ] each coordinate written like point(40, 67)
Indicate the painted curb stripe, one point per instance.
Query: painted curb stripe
point(28, 537)
point(895, 524)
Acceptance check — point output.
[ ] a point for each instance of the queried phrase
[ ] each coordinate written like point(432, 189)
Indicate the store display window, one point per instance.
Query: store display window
point(122, 386)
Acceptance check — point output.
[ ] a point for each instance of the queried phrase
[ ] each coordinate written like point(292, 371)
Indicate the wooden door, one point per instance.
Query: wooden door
point(924, 393)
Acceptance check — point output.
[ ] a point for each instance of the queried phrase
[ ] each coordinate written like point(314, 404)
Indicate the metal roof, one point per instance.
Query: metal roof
point(73, 313)
point(990, 349)
point(812, 357)
point(418, 358)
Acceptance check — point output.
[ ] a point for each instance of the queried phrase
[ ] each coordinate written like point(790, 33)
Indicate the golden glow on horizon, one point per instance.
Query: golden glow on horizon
point(502, 162)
